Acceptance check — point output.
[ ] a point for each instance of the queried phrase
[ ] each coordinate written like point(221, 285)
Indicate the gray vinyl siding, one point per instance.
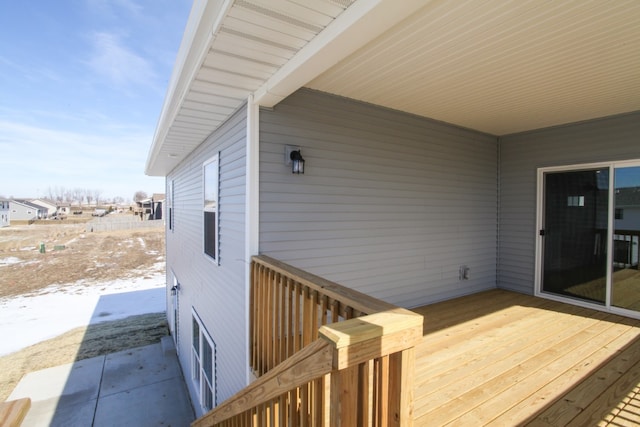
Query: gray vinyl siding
point(607, 139)
point(216, 292)
point(390, 204)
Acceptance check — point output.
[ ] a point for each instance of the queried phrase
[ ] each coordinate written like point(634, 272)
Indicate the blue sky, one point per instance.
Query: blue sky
point(81, 88)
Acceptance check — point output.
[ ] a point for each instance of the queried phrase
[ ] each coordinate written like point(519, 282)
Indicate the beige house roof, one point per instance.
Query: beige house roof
point(495, 66)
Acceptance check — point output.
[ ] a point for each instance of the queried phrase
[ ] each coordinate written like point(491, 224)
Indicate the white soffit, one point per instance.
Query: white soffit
point(501, 66)
point(230, 49)
point(495, 66)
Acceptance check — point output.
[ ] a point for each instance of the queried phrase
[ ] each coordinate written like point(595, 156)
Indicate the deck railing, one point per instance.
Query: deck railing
point(325, 355)
point(13, 412)
point(288, 305)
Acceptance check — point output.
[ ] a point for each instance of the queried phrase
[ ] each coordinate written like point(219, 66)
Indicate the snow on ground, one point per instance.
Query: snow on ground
point(10, 260)
point(29, 319)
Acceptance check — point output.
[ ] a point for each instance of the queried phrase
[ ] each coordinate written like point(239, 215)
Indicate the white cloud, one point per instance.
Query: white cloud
point(36, 158)
point(113, 60)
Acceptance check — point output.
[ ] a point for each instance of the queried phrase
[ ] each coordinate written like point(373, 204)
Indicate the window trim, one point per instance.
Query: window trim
point(198, 372)
point(170, 209)
point(213, 162)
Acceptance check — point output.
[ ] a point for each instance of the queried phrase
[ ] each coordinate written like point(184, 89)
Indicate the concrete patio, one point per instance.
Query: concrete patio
point(142, 386)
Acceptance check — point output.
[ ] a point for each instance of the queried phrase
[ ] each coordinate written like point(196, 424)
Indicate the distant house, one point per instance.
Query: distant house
point(627, 227)
point(157, 201)
point(22, 210)
point(151, 208)
point(5, 218)
point(48, 208)
point(64, 209)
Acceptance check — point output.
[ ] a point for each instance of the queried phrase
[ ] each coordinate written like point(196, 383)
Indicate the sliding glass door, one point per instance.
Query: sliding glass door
point(626, 233)
point(589, 232)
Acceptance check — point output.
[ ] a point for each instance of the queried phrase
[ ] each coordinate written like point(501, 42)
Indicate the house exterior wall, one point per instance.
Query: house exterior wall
point(606, 139)
point(215, 292)
point(390, 204)
point(48, 209)
point(22, 212)
point(5, 218)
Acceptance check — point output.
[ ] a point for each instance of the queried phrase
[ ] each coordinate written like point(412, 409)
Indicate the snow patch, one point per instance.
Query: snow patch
point(28, 319)
point(9, 261)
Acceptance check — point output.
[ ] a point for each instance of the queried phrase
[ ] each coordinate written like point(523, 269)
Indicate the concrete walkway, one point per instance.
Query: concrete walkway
point(137, 387)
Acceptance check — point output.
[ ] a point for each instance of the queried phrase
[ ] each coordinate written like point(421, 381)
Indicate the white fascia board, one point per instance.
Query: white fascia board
point(359, 24)
point(205, 20)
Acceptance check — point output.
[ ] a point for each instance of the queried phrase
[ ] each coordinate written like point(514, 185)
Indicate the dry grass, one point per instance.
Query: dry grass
point(93, 257)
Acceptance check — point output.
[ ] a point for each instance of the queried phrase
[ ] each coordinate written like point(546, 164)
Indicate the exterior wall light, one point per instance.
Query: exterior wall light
point(174, 290)
point(293, 157)
point(297, 162)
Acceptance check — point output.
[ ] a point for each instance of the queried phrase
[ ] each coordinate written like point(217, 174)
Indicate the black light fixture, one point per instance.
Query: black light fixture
point(293, 157)
point(297, 162)
point(174, 290)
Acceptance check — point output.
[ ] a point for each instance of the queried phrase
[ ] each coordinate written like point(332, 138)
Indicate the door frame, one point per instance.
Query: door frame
point(612, 165)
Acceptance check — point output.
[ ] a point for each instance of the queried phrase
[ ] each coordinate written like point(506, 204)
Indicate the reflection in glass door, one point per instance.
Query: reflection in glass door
point(574, 230)
point(625, 288)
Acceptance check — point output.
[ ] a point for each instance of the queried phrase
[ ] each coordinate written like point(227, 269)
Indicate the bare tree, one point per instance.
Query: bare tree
point(96, 195)
point(88, 194)
point(58, 194)
point(139, 195)
point(78, 195)
point(50, 194)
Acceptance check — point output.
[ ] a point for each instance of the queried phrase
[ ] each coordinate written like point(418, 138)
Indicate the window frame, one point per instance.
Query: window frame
point(199, 375)
point(211, 188)
point(170, 210)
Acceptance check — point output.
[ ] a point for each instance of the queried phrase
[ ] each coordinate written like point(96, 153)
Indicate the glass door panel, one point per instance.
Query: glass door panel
point(575, 223)
point(625, 289)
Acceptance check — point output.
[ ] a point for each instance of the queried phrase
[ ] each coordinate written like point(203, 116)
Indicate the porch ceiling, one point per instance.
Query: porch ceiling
point(495, 66)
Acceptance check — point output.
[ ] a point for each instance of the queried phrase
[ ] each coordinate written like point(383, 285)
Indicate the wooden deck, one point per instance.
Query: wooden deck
point(501, 358)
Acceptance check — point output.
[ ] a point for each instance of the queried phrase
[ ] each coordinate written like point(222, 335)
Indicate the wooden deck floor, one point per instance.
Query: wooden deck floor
point(501, 358)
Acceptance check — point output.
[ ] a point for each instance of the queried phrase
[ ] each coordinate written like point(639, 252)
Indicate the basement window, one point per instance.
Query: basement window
point(203, 364)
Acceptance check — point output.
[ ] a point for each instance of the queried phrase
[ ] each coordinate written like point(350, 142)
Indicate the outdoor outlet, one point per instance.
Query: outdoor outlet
point(464, 272)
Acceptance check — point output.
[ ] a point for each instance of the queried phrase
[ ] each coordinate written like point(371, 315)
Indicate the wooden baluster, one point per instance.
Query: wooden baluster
point(381, 392)
point(264, 283)
point(293, 407)
point(335, 311)
point(282, 410)
point(297, 318)
point(258, 323)
point(314, 316)
point(304, 405)
point(307, 322)
point(289, 317)
point(401, 373)
point(363, 394)
point(252, 311)
point(324, 307)
point(274, 320)
point(283, 320)
point(344, 398)
point(318, 408)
